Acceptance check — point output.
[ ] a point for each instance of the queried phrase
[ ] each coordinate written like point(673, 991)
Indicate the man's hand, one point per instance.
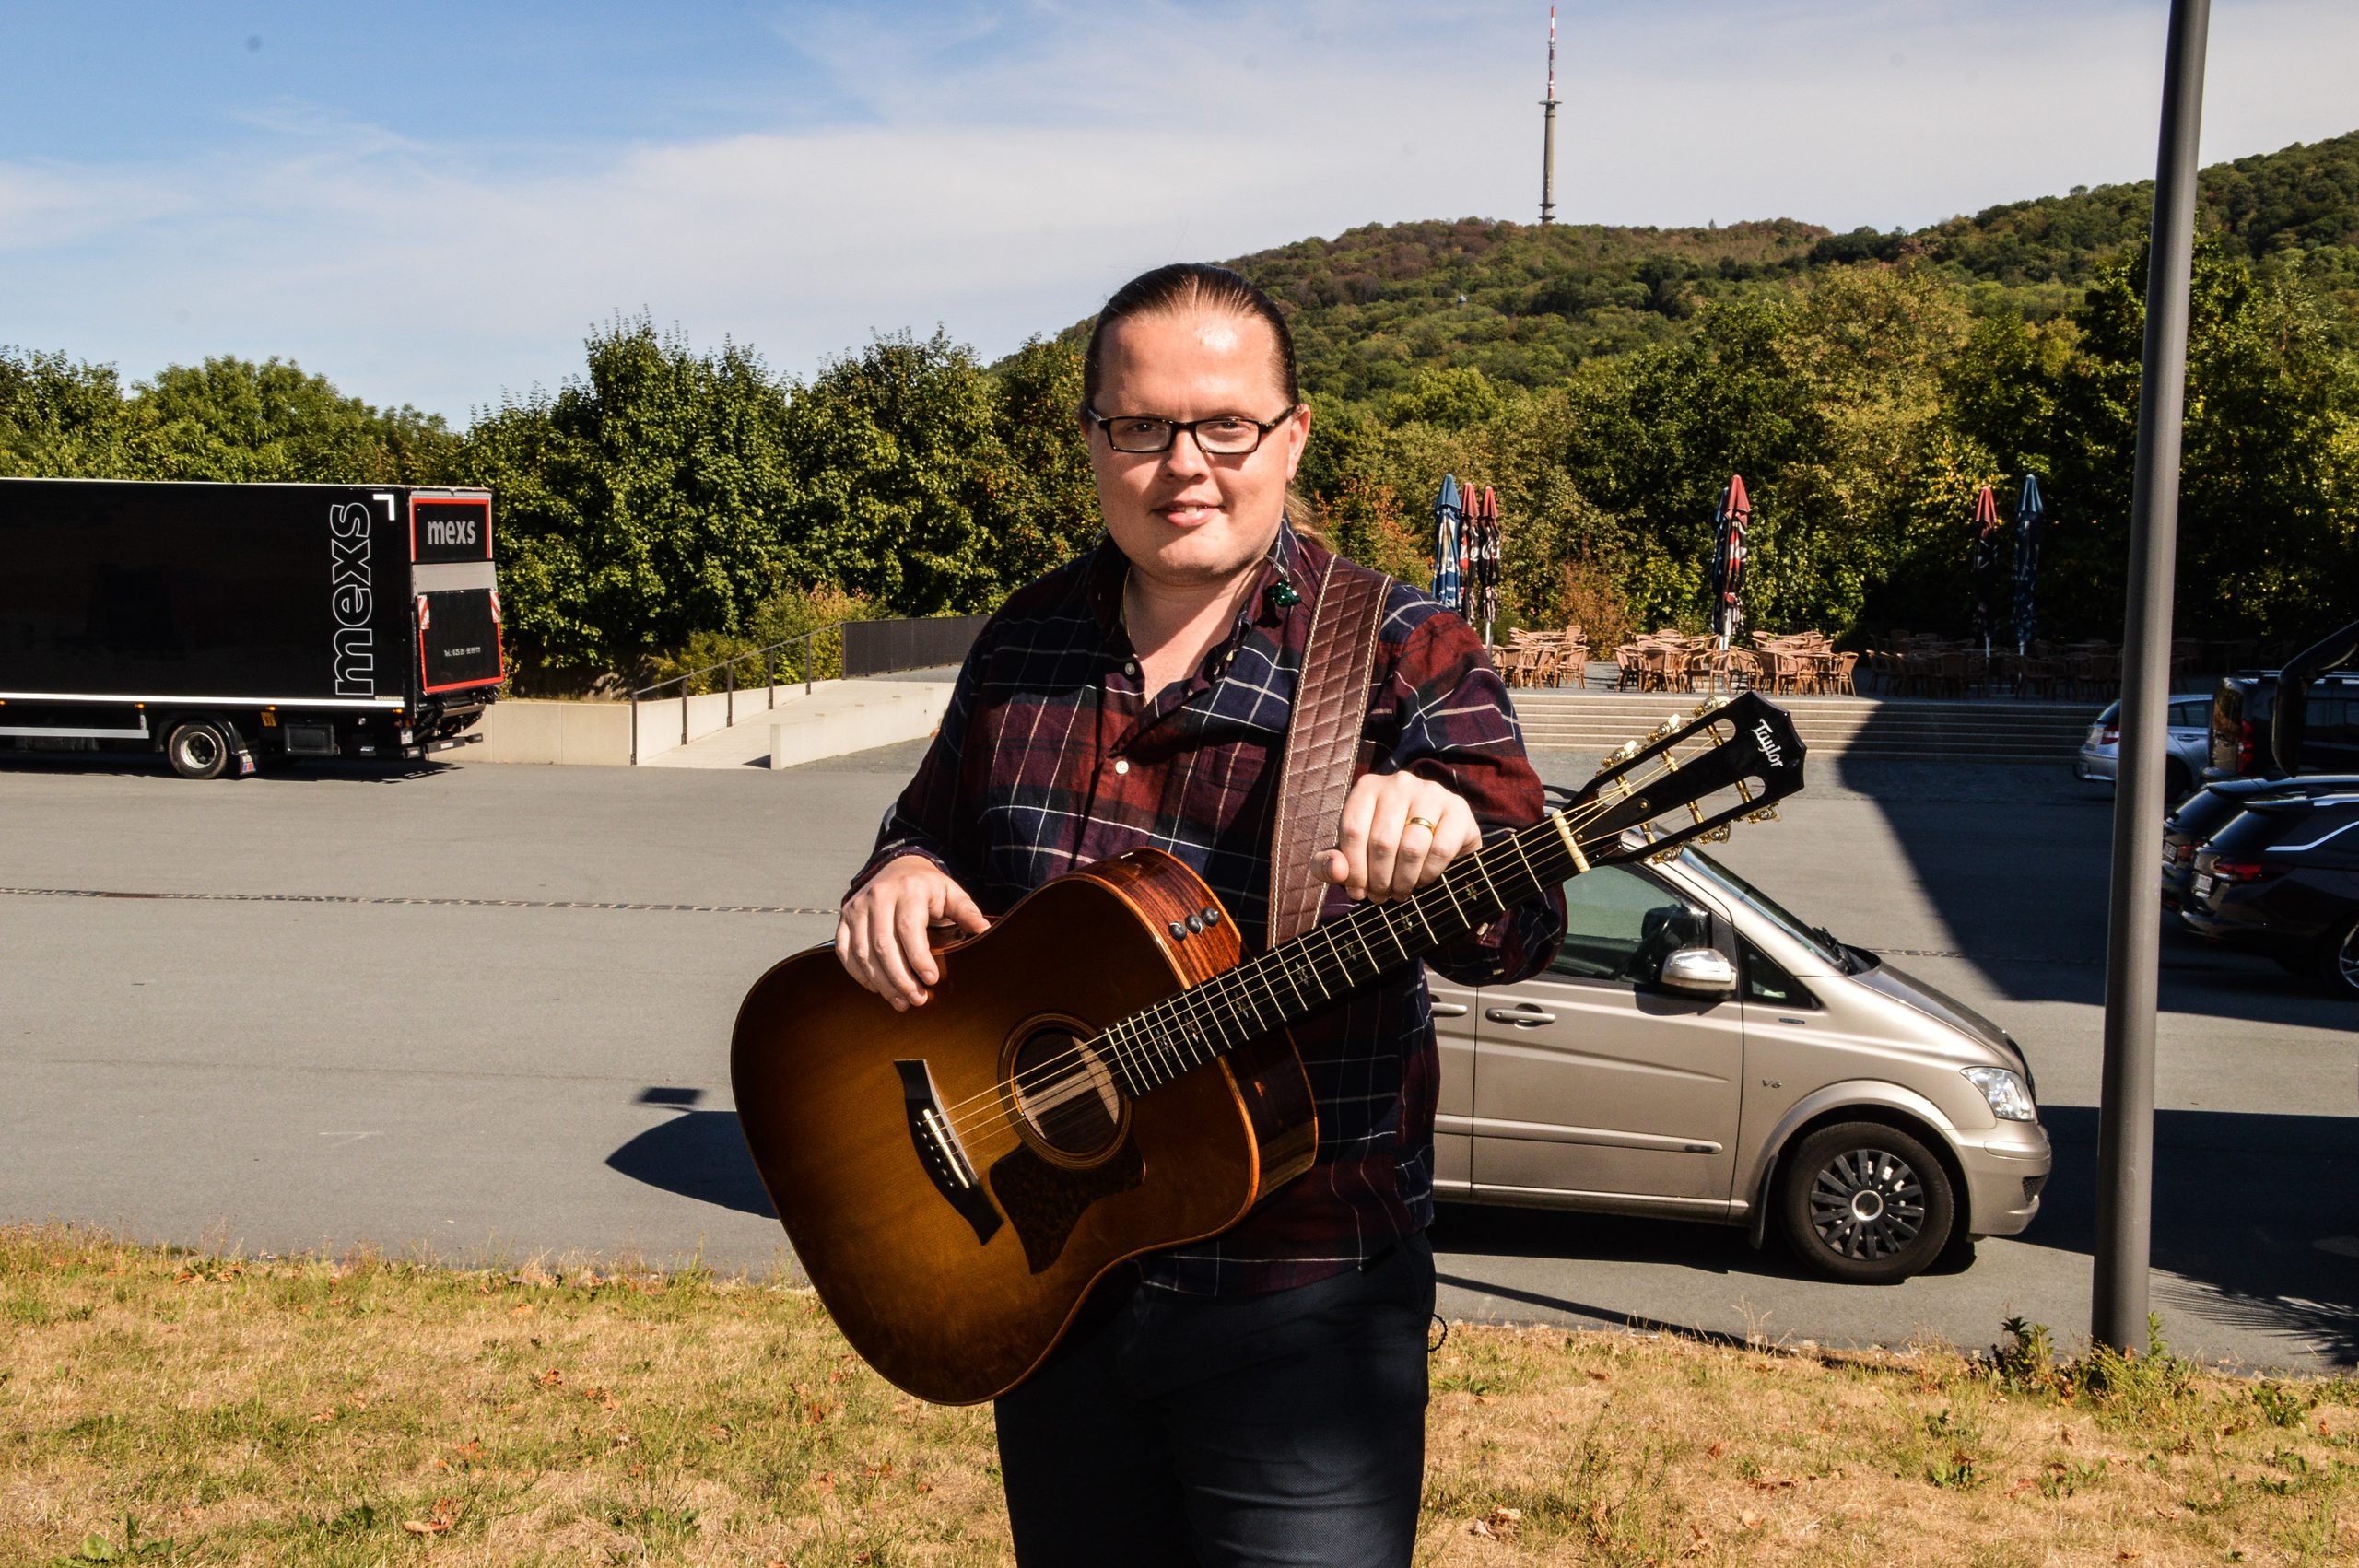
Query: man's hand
point(1399, 832)
point(881, 936)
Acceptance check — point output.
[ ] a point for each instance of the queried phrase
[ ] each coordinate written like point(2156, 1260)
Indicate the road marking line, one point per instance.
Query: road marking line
point(428, 903)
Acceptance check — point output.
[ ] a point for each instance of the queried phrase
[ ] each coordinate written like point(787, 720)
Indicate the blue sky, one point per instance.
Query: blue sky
point(431, 203)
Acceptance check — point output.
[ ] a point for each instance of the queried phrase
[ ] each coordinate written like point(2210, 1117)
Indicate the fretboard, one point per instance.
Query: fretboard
point(1185, 1030)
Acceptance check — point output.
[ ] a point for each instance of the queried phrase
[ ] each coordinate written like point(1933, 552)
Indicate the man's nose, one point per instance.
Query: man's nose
point(1183, 456)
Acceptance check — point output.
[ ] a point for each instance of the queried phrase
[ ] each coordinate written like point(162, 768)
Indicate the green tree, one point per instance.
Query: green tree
point(61, 418)
point(1040, 502)
point(892, 447)
point(2269, 465)
point(232, 419)
point(649, 500)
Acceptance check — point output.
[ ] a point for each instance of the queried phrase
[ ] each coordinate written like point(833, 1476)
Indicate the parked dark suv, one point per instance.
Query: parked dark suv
point(2284, 878)
point(2194, 821)
point(2241, 711)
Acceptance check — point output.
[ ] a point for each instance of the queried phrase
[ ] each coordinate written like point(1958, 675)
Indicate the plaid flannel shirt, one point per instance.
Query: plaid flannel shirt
point(1052, 754)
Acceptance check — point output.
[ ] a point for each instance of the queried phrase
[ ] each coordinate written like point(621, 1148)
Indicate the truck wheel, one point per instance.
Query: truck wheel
point(2339, 962)
point(198, 748)
point(1865, 1203)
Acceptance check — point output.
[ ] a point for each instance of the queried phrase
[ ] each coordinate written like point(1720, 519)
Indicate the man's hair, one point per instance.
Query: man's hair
point(1184, 285)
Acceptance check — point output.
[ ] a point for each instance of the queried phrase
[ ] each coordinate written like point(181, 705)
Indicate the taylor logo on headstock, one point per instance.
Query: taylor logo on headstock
point(1768, 744)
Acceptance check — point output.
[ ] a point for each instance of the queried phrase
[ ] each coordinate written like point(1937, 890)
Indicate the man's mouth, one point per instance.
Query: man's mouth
point(1187, 514)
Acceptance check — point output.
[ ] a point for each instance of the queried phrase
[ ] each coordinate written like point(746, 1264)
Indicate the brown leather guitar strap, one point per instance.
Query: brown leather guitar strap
point(1322, 742)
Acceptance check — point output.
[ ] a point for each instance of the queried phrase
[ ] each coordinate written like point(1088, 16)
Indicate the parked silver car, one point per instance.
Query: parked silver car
point(2190, 751)
point(1697, 1052)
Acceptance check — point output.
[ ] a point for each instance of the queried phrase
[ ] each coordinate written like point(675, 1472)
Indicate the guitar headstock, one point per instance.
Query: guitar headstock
point(1732, 759)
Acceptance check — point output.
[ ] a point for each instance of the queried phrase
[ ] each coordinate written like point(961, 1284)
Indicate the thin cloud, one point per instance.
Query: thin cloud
point(999, 173)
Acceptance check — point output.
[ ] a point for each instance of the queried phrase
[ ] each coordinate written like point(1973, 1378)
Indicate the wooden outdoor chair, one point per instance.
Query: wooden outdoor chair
point(1840, 681)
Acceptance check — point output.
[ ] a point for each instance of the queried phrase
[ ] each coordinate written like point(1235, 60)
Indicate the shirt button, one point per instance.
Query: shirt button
point(1121, 765)
point(1129, 667)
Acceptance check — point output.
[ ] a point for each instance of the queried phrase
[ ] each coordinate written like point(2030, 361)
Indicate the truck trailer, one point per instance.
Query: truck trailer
point(227, 625)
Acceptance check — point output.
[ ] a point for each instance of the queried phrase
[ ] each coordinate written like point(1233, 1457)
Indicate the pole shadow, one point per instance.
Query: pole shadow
point(2257, 1214)
point(697, 1154)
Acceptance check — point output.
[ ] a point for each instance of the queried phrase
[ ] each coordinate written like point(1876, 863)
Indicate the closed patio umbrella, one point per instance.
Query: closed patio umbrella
point(1449, 526)
point(1486, 560)
point(1984, 561)
point(1730, 522)
point(2029, 510)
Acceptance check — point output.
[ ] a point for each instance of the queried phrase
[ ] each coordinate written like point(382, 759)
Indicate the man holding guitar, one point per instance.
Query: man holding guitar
point(1257, 1397)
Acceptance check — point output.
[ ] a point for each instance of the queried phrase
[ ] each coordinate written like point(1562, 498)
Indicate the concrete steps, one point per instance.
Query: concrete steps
point(1866, 729)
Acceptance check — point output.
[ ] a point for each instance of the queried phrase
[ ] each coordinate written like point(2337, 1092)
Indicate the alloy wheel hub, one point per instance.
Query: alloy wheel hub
point(1867, 1204)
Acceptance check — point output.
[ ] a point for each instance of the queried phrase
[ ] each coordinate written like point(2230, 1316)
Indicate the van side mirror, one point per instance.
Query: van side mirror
point(1700, 972)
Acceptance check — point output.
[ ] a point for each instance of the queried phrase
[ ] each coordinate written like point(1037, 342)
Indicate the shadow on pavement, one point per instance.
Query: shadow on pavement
point(2015, 859)
point(697, 1154)
point(2242, 1202)
point(138, 765)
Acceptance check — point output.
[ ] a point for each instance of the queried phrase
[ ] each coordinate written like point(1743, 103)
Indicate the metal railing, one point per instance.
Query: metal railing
point(687, 683)
point(869, 647)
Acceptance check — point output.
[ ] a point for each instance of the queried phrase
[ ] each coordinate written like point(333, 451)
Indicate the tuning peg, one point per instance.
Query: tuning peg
point(1716, 835)
point(1709, 705)
point(1766, 814)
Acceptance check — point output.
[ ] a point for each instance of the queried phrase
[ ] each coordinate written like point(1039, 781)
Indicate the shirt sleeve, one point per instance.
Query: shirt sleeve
point(1456, 729)
point(923, 819)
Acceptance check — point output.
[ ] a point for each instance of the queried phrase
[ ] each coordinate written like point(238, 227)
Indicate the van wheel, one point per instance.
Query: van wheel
point(198, 748)
point(1865, 1203)
point(2339, 962)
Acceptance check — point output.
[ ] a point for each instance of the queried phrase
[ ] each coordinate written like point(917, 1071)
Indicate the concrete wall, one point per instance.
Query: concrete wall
point(519, 731)
point(886, 713)
point(838, 717)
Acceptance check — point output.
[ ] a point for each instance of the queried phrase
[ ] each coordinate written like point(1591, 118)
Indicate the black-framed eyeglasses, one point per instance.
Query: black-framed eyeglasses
point(1222, 435)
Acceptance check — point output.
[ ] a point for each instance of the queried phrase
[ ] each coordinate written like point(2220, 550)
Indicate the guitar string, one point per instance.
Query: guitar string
point(982, 1132)
point(984, 1138)
point(1197, 1000)
point(1201, 1006)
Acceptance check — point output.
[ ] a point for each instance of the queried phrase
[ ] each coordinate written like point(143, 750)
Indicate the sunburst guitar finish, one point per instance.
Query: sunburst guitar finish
point(955, 1178)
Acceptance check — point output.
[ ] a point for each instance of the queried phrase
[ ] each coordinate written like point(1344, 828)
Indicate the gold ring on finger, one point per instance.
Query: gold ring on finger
point(1429, 823)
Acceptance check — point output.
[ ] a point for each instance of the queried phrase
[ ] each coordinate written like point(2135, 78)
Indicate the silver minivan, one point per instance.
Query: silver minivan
point(1696, 1052)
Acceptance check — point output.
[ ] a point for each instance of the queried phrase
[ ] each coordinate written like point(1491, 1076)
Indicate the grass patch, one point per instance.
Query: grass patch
point(159, 1406)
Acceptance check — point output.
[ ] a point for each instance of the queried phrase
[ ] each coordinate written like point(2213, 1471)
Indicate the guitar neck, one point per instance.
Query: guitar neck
point(1267, 992)
point(1731, 761)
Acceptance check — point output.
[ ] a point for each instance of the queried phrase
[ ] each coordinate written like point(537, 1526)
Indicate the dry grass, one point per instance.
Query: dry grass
point(162, 1407)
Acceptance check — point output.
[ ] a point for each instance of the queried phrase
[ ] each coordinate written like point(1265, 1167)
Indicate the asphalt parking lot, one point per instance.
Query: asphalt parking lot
point(475, 1012)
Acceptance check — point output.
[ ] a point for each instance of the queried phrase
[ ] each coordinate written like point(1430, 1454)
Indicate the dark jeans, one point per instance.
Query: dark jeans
point(1195, 1431)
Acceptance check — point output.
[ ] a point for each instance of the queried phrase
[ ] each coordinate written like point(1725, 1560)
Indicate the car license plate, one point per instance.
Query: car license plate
point(2202, 884)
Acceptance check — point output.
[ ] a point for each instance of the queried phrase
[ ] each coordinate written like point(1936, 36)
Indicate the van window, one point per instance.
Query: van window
point(2190, 715)
point(1765, 980)
point(1620, 925)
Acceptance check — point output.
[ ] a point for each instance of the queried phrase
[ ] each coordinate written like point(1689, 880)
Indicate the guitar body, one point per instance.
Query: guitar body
point(955, 1178)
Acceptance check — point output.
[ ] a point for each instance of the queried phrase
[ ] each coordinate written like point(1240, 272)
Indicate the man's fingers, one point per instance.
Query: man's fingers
point(910, 922)
point(955, 905)
point(1359, 811)
point(899, 987)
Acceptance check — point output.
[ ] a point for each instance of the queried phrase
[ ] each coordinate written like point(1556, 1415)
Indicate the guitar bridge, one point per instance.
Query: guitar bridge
point(939, 1152)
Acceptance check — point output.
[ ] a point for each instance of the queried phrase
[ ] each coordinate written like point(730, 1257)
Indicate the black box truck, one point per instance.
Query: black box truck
point(223, 624)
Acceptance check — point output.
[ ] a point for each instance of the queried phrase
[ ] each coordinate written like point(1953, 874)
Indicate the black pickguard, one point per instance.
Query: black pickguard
point(1046, 1201)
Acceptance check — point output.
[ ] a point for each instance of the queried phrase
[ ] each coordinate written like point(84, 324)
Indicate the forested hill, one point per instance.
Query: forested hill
point(1375, 305)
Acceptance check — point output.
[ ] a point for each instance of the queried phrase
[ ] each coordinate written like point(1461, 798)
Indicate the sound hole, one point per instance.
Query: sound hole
point(1065, 1094)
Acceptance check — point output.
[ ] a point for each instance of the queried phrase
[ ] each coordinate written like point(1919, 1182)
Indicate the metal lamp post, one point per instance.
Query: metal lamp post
point(2126, 1105)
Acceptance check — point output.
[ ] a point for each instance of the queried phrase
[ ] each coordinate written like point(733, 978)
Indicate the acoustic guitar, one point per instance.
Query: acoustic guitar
point(1103, 1073)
